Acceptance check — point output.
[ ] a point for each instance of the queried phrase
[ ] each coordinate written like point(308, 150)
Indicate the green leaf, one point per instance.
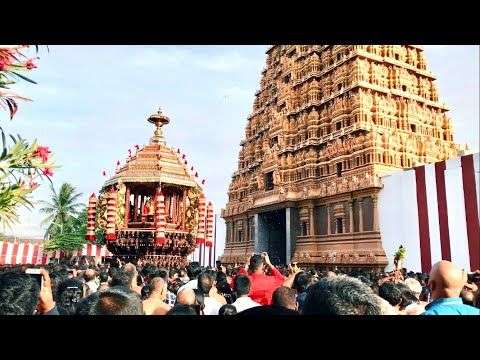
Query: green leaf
point(23, 77)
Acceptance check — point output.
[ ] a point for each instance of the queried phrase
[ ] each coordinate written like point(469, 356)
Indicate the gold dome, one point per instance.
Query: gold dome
point(156, 162)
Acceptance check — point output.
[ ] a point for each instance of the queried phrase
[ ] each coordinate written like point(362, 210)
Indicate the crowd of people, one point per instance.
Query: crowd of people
point(257, 288)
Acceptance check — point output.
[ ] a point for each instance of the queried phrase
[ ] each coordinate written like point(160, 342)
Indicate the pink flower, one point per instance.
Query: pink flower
point(33, 185)
point(42, 152)
point(4, 63)
point(30, 64)
point(47, 172)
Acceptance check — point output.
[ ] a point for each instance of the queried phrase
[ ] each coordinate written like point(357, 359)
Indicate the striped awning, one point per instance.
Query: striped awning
point(20, 253)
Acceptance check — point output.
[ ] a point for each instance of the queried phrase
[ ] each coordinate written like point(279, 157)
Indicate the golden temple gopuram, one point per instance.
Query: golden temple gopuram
point(327, 123)
point(153, 207)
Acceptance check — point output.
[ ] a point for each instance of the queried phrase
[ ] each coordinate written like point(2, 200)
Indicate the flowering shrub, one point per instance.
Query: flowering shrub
point(12, 63)
point(21, 163)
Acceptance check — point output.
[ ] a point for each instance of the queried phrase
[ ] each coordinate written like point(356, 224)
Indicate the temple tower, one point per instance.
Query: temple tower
point(327, 123)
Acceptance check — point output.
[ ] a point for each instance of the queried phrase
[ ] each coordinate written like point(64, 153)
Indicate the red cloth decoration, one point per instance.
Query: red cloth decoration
point(110, 237)
point(159, 241)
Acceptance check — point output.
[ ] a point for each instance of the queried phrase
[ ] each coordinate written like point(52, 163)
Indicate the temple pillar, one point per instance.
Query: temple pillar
point(288, 237)
point(256, 232)
point(127, 206)
point(360, 215)
point(201, 220)
point(111, 215)
point(311, 220)
point(227, 230)
point(375, 213)
point(160, 223)
point(328, 220)
point(91, 213)
point(184, 202)
point(142, 198)
point(135, 207)
point(350, 214)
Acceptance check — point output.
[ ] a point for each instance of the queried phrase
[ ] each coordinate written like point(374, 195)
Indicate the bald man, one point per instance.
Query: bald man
point(155, 304)
point(186, 297)
point(131, 271)
point(91, 285)
point(446, 282)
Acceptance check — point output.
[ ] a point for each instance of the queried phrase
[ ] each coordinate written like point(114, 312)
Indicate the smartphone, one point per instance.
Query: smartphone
point(36, 274)
point(73, 294)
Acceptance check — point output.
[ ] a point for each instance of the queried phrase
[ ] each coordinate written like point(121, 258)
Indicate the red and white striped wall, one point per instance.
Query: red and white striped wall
point(433, 211)
point(15, 253)
point(88, 250)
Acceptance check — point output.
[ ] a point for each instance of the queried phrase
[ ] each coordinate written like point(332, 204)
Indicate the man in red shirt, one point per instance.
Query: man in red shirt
point(262, 285)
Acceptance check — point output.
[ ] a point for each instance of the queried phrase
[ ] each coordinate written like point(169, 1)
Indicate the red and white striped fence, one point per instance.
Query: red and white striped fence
point(15, 253)
point(88, 250)
point(433, 211)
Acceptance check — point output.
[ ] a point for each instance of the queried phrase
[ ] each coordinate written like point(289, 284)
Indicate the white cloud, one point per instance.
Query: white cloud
point(177, 56)
point(223, 62)
point(435, 47)
point(160, 57)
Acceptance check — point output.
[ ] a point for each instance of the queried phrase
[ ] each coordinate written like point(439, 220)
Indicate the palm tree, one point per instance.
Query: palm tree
point(61, 210)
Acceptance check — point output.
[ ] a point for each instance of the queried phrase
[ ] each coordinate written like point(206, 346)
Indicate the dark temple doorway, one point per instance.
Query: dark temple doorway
point(273, 235)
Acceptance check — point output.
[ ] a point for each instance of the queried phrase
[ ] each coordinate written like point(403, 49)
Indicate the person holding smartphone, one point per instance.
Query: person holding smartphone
point(262, 285)
point(27, 293)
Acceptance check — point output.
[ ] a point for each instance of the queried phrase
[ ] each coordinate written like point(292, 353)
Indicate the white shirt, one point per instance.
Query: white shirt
point(92, 286)
point(244, 303)
point(192, 284)
point(211, 306)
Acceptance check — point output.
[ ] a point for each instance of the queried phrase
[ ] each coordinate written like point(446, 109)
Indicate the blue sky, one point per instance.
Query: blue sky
point(91, 103)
